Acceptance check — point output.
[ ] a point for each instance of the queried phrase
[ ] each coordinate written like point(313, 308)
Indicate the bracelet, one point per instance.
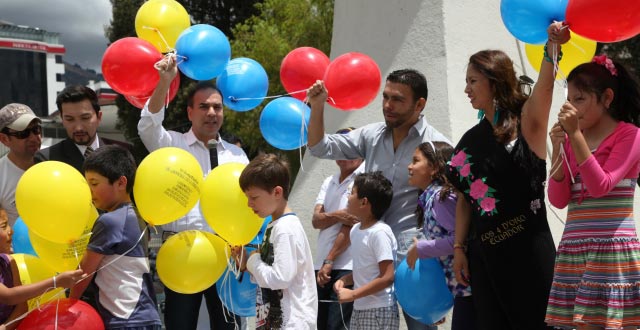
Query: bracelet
point(54, 282)
point(459, 246)
point(327, 262)
point(548, 58)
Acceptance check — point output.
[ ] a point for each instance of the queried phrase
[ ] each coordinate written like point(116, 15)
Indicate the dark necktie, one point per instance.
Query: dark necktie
point(88, 152)
point(213, 154)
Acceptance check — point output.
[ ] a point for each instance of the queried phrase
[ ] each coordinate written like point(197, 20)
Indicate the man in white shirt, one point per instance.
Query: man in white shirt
point(333, 253)
point(21, 132)
point(205, 111)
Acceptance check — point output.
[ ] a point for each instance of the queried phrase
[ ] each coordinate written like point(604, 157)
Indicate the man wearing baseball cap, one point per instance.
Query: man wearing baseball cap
point(21, 132)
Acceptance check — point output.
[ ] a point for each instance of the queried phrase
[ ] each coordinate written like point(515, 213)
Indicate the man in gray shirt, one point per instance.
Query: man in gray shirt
point(385, 146)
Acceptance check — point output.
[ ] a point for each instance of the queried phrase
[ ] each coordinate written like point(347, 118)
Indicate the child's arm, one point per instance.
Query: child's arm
point(89, 264)
point(22, 293)
point(278, 275)
point(384, 280)
point(559, 186)
point(463, 221)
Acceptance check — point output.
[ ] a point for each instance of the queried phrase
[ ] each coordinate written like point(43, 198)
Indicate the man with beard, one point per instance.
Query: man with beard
point(20, 131)
point(385, 146)
point(81, 115)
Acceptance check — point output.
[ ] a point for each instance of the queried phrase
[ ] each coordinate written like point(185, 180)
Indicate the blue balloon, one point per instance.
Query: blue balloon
point(528, 20)
point(423, 292)
point(260, 236)
point(237, 296)
point(244, 84)
point(20, 240)
point(203, 52)
point(281, 123)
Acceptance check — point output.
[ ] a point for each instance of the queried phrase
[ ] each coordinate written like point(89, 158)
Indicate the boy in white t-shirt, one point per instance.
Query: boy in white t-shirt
point(282, 266)
point(373, 247)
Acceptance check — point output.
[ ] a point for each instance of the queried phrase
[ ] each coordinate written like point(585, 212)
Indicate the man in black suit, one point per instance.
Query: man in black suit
point(81, 115)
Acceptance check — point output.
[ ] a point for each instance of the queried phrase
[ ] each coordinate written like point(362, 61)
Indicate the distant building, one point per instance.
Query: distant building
point(31, 66)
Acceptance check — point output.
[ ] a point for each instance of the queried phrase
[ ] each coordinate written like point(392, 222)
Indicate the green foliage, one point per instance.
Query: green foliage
point(627, 52)
point(280, 27)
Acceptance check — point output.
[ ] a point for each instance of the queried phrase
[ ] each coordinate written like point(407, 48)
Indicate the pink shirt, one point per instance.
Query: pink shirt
point(616, 158)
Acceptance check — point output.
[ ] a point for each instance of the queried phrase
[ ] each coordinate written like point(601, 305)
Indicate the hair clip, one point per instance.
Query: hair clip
point(606, 62)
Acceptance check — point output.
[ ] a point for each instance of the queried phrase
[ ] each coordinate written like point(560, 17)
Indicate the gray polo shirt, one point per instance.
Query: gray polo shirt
point(374, 143)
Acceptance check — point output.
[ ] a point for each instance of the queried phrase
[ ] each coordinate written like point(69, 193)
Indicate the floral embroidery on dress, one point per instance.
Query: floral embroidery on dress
point(478, 189)
point(535, 205)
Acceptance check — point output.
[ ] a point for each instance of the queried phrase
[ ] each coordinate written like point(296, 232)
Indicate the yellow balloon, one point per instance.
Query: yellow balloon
point(191, 261)
point(575, 52)
point(62, 256)
point(160, 19)
point(167, 185)
point(33, 270)
point(54, 201)
point(224, 205)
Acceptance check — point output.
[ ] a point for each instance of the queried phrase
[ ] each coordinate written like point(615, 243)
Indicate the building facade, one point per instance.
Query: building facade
point(32, 67)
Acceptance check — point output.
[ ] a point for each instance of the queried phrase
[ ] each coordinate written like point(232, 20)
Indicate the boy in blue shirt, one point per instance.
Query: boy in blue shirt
point(117, 249)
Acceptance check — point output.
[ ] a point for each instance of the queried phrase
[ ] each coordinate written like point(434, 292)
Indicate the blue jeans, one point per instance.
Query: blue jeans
point(405, 240)
point(333, 315)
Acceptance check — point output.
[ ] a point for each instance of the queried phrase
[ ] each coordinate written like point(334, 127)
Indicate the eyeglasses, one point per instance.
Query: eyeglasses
point(37, 130)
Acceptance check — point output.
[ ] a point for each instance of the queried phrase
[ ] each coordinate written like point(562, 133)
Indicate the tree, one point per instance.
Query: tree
point(280, 26)
point(627, 52)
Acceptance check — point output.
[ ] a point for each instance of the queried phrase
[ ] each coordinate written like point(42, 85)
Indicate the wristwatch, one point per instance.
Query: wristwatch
point(327, 262)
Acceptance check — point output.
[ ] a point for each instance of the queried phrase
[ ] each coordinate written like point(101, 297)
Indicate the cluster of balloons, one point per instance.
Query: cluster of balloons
point(54, 227)
point(203, 53)
point(352, 79)
point(168, 184)
point(590, 21)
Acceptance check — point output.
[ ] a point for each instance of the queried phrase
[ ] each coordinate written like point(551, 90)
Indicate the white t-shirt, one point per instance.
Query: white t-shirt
point(291, 271)
point(10, 174)
point(334, 195)
point(371, 246)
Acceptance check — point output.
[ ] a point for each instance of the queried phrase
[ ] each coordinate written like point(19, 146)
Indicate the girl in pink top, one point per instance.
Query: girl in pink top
point(596, 157)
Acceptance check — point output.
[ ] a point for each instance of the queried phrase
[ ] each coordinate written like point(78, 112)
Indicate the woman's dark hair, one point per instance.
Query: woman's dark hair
point(596, 78)
point(508, 94)
point(439, 158)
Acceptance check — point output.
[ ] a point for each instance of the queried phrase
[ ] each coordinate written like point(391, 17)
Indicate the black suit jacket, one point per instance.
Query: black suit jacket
point(66, 151)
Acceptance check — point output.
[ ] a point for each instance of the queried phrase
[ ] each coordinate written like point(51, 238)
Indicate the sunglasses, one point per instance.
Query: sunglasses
point(37, 130)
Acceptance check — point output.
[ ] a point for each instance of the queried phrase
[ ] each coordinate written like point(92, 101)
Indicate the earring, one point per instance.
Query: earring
point(496, 114)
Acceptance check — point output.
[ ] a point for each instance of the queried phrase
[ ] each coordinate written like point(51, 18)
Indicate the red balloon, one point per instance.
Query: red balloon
point(604, 20)
point(301, 68)
point(353, 81)
point(127, 66)
point(71, 314)
point(139, 101)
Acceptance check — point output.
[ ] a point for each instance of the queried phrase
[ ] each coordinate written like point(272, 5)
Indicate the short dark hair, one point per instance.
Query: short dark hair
point(112, 162)
point(377, 189)
point(412, 78)
point(266, 172)
point(78, 93)
point(201, 86)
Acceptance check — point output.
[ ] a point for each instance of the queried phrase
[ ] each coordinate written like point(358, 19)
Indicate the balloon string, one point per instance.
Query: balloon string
point(235, 99)
point(166, 44)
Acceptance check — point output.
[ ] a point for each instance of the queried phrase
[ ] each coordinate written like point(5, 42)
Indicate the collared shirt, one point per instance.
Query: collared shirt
point(374, 143)
point(94, 145)
point(154, 137)
point(333, 196)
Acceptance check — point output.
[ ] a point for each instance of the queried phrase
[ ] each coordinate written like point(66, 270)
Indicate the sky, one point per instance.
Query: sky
point(81, 25)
